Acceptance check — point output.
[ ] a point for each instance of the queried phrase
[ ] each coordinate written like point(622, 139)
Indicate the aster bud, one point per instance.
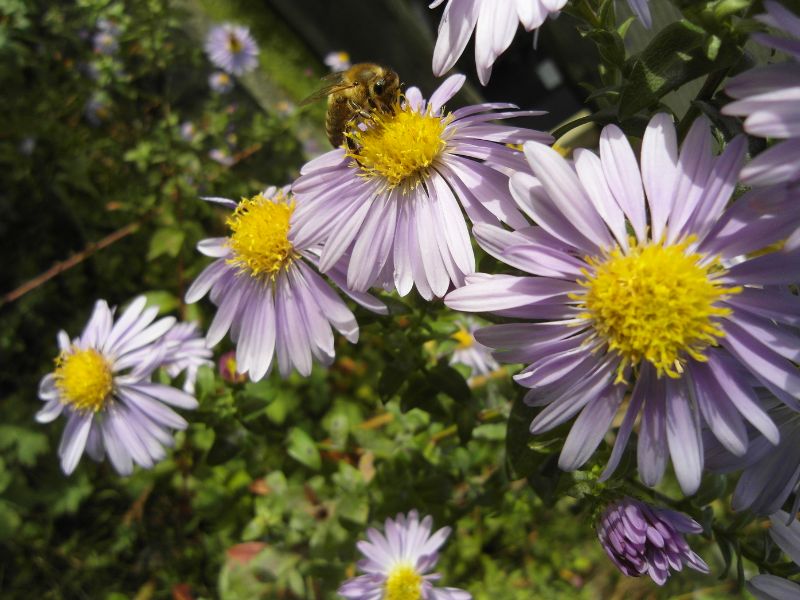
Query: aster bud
point(644, 540)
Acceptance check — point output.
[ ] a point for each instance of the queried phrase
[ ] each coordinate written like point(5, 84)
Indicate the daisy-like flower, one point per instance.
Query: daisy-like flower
point(680, 313)
point(769, 99)
point(398, 562)
point(337, 61)
point(232, 48)
point(494, 23)
point(220, 82)
point(268, 294)
point(645, 540)
point(470, 352)
point(787, 537)
point(102, 384)
point(392, 197)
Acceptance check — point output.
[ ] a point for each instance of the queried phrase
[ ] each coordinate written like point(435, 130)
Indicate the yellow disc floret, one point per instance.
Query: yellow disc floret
point(83, 378)
point(234, 43)
point(656, 303)
point(260, 236)
point(464, 339)
point(403, 583)
point(399, 146)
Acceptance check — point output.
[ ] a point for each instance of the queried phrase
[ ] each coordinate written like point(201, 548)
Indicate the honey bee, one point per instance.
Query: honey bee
point(356, 93)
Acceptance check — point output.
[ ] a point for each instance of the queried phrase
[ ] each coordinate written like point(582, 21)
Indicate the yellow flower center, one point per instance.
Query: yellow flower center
point(234, 44)
point(398, 146)
point(260, 236)
point(403, 583)
point(655, 303)
point(84, 379)
point(464, 339)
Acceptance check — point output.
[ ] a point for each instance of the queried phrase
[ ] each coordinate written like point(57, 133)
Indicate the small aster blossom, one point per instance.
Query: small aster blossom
point(185, 352)
point(680, 313)
point(188, 131)
point(785, 532)
point(645, 540)
point(27, 145)
point(393, 196)
point(232, 48)
point(220, 82)
point(398, 562)
point(470, 352)
point(267, 292)
point(102, 385)
point(227, 368)
point(97, 110)
point(769, 99)
point(222, 157)
point(105, 42)
point(337, 61)
point(494, 23)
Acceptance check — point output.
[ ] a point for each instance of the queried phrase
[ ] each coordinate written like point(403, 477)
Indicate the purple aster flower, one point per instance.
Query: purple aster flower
point(220, 82)
point(392, 197)
point(268, 294)
point(232, 48)
point(337, 61)
point(494, 23)
point(769, 98)
point(644, 540)
point(785, 532)
point(680, 313)
point(102, 384)
point(397, 563)
point(469, 351)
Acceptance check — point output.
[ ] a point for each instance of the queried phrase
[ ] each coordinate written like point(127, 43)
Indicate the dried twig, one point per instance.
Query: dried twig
point(67, 264)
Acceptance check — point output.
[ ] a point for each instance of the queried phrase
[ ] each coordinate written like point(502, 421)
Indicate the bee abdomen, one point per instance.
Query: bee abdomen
point(336, 120)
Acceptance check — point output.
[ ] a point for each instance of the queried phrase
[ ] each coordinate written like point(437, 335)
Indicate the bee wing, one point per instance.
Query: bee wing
point(336, 83)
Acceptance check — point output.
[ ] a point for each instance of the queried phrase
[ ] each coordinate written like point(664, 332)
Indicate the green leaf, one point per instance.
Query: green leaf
point(725, 8)
point(303, 449)
point(676, 55)
point(445, 379)
point(167, 240)
point(165, 301)
point(392, 378)
point(222, 451)
point(521, 459)
point(9, 520)
point(353, 508)
point(29, 444)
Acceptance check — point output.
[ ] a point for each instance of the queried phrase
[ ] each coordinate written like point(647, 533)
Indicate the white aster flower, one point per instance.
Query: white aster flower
point(268, 293)
point(397, 563)
point(102, 383)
